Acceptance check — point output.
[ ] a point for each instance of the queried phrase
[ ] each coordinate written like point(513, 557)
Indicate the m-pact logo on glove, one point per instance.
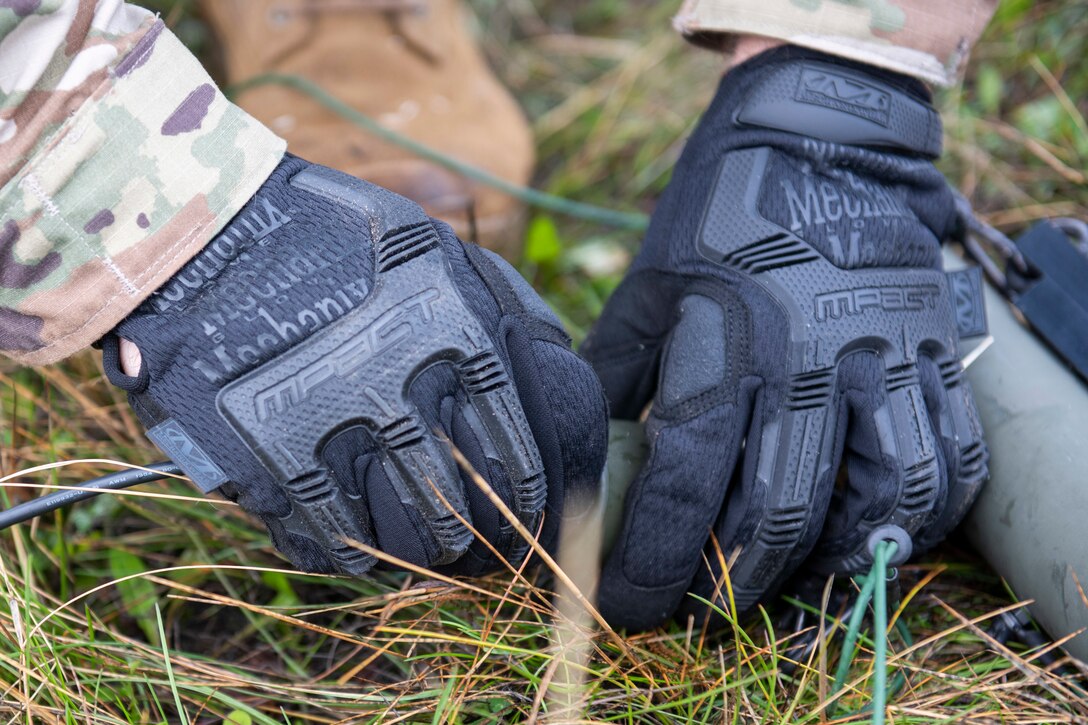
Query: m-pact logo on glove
point(906, 298)
point(845, 93)
point(394, 326)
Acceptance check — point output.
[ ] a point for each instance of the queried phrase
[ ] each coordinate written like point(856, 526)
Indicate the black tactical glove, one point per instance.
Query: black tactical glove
point(788, 305)
point(317, 358)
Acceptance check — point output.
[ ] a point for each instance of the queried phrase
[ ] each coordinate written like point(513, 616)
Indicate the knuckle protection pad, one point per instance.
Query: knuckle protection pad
point(358, 370)
point(832, 311)
point(966, 426)
point(905, 502)
point(971, 470)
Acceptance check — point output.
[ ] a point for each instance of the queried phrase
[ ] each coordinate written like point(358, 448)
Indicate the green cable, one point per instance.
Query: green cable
point(884, 551)
point(853, 630)
point(874, 588)
point(632, 221)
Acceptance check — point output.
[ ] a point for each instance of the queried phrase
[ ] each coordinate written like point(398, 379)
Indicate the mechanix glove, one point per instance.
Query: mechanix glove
point(788, 308)
point(318, 358)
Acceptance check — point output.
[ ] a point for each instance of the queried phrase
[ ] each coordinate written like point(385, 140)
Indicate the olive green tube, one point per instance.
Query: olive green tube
point(1030, 521)
point(627, 451)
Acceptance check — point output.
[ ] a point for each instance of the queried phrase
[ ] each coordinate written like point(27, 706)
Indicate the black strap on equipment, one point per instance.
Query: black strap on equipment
point(1043, 273)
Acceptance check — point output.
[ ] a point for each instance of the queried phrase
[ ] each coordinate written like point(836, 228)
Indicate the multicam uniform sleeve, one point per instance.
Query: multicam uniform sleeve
point(921, 38)
point(119, 161)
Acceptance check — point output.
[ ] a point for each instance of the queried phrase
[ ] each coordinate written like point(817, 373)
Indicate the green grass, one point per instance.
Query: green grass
point(140, 609)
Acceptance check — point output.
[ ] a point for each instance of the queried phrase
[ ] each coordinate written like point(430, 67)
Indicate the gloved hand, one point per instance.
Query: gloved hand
point(788, 305)
point(317, 358)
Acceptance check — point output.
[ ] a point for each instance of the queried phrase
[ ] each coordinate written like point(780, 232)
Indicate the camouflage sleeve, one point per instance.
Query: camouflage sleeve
point(119, 160)
point(921, 38)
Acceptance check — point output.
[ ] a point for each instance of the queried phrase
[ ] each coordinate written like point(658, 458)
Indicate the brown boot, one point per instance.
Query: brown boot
point(411, 65)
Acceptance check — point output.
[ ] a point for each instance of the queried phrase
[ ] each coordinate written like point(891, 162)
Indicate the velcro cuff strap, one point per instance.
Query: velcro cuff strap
point(841, 105)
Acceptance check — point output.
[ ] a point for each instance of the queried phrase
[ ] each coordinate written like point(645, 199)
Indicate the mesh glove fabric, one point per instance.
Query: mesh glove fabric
point(316, 360)
point(787, 310)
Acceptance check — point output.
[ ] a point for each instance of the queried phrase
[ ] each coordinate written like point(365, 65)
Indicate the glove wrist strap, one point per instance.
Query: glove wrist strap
point(840, 104)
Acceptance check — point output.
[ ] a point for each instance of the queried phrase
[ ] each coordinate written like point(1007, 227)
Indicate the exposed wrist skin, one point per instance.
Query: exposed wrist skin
point(119, 160)
point(130, 358)
point(749, 46)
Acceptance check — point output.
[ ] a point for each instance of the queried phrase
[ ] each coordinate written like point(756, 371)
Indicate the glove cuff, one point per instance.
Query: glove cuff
point(831, 99)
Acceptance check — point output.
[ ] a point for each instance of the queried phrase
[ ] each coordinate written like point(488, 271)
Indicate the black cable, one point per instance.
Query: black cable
point(112, 482)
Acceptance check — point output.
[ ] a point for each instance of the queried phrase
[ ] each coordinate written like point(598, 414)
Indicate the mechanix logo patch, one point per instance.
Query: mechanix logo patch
point(844, 93)
point(250, 227)
point(175, 442)
point(967, 300)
